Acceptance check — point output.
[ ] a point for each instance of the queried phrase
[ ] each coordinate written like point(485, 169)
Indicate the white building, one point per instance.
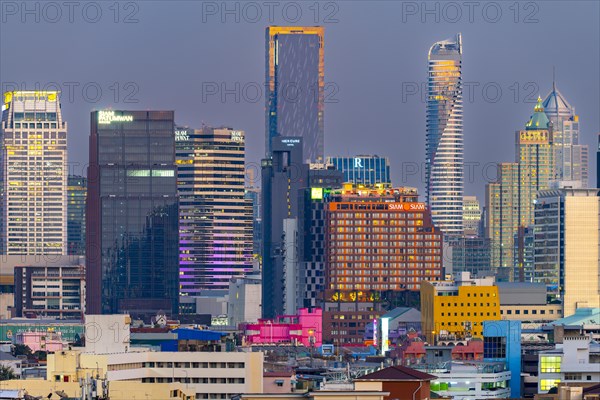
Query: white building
point(33, 174)
point(471, 215)
point(444, 159)
point(576, 360)
point(471, 380)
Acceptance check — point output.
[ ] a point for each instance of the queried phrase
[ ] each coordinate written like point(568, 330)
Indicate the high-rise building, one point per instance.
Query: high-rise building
point(444, 161)
point(471, 215)
point(283, 174)
point(380, 244)
point(132, 235)
point(510, 200)
point(363, 169)
point(570, 157)
point(567, 246)
point(295, 85)
point(215, 217)
point(76, 195)
point(284, 178)
point(33, 174)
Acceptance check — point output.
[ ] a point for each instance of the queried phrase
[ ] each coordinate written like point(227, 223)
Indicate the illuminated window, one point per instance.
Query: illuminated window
point(550, 364)
point(547, 384)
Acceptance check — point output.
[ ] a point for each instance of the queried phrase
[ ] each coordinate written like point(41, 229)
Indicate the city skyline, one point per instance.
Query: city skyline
point(397, 123)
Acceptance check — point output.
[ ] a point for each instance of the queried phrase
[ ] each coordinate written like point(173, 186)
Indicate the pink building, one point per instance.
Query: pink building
point(304, 328)
point(44, 341)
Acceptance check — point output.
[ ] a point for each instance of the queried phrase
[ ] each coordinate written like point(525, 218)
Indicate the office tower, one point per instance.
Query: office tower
point(253, 195)
point(566, 246)
point(363, 169)
point(510, 199)
point(471, 215)
point(444, 161)
point(295, 87)
point(215, 217)
point(283, 174)
point(570, 157)
point(380, 244)
point(33, 176)
point(76, 195)
point(455, 309)
point(132, 235)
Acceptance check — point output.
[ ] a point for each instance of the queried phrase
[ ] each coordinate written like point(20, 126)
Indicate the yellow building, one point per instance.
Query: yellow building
point(456, 309)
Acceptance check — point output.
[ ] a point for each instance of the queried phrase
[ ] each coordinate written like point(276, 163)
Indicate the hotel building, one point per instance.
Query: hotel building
point(363, 169)
point(33, 174)
point(380, 244)
point(215, 217)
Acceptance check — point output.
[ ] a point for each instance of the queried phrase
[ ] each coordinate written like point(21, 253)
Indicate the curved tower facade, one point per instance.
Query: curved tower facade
point(444, 143)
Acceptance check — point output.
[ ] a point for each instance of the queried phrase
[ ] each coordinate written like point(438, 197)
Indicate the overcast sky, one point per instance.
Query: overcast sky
point(169, 55)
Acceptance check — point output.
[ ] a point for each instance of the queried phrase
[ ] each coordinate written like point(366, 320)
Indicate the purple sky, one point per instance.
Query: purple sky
point(372, 51)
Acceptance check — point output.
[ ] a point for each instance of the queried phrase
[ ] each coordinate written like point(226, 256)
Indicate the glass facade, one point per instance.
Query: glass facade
point(365, 170)
point(132, 216)
point(295, 87)
point(76, 195)
point(444, 160)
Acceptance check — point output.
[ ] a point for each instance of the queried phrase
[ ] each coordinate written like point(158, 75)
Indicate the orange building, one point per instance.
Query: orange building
point(380, 243)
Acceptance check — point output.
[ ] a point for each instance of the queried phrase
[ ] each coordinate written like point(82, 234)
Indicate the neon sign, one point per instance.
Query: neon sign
point(107, 117)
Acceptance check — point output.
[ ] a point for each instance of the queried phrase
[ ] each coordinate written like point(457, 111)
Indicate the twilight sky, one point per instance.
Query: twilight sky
point(172, 52)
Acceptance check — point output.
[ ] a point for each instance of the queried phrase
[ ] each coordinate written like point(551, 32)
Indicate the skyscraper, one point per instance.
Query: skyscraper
point(295, 85)
point(363, 169)
point(510, 200)
point(33, 178)
point(444, 163)
point(570, 157)
point(566, 246)
point(76, 195)
point(215, 217)
point(132, 235)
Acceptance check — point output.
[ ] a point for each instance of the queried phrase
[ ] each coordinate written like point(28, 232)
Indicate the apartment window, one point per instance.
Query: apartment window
point(573, 377)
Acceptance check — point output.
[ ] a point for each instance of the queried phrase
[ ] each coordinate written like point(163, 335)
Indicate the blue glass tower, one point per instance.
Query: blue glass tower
point(361, 169)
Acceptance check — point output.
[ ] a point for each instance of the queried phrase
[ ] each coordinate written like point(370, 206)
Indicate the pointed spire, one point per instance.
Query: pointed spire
point(539, 107)
point(553, 78)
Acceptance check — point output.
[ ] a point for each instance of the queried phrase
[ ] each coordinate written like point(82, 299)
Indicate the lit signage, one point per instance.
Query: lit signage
point(181, 136)
point(237, 136)
point(375, 332)
point(316, 193)
point(406, 206)
point(290, 142)
point(358, 163)
point(107, 117)
point(385, 329)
